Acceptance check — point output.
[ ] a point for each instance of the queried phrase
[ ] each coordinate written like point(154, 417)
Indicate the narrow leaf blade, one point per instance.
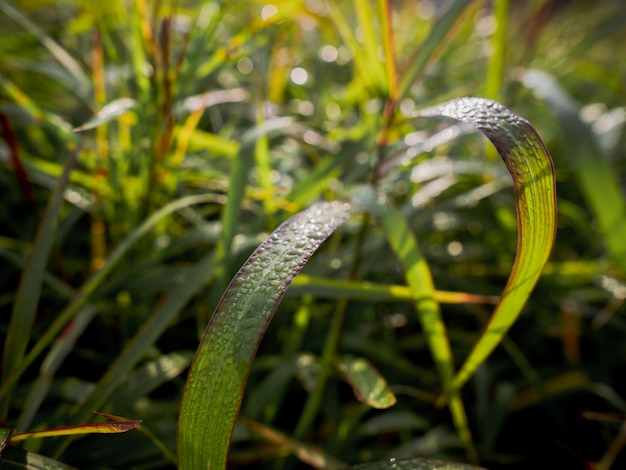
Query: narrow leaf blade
point(419, 279)
point(368, 385)
point(110, 427)
point(438, 38)
point(61, 55)
point(597, 179)
point(530, 165)
point(219, 372)
point(342, 289)
point(29, 288)
point(311, 455)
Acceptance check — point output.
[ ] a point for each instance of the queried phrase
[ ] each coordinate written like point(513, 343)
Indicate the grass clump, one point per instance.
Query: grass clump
point(149, 148)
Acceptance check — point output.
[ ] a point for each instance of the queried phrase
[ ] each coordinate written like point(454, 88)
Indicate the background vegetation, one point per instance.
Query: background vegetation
point(272, 106)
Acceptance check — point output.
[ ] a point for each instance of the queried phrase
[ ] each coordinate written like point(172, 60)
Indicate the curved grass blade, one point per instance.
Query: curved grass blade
point(220, 369)
point(530, 165)
point(594, 173)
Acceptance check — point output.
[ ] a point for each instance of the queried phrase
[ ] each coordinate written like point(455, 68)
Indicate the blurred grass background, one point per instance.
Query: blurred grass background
point(254, 110)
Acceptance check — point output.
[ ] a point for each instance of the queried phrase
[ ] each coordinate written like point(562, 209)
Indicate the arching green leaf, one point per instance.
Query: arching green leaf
point(594, 172)
point(220, 369)
point(530, 165)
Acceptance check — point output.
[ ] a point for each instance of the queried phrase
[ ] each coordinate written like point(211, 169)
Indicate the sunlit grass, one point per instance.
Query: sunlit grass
point(232, 118)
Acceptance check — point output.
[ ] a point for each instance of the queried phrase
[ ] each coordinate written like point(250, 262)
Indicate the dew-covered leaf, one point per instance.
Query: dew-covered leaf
point(220, 368)
point(530, 165)
point(593, 170)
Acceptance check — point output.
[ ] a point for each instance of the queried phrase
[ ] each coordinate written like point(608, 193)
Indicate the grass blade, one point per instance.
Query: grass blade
point(313, 183)
point(150, 376)
point(108, 113)
point(16, 160)
point(109, 427)
point(29, 288)
point(93, 283)
point(443, 29)
point(34, 111)
point(367, 384)
point(594, 173)
point(61, 55)
point(368, 71)
point(493, 86)
point(146, 336)
point(419, 280)
point(531, 168)
point(320, 287)
point(389, 47)
point(59, 351)
point(218, 374)
point(143, 341)
point(370, 49)
point(307, 453)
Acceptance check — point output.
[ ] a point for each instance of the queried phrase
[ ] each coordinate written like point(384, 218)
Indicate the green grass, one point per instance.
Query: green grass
point(149, 148)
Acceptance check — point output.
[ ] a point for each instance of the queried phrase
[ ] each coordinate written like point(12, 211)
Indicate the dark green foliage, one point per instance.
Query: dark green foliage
point(243, 115)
